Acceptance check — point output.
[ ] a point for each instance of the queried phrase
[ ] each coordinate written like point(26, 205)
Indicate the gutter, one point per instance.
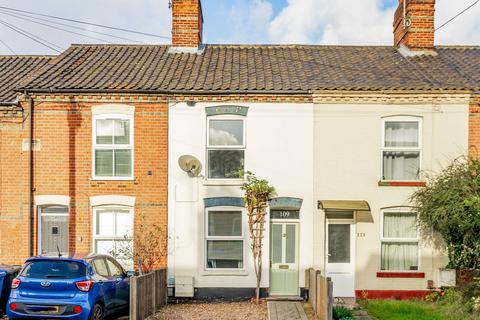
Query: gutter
point(182, 92)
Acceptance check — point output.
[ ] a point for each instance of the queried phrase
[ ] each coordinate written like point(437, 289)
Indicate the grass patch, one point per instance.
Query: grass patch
point(450, 307)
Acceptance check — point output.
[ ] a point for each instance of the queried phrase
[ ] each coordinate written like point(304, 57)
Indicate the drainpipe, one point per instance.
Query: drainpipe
point(30, 176)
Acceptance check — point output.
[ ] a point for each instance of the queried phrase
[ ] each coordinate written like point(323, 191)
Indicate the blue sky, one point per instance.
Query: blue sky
point(239, 21)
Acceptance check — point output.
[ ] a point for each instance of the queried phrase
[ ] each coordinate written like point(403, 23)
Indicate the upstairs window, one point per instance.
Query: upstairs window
point(226, 147)
point(401, 148)
point(113, 146)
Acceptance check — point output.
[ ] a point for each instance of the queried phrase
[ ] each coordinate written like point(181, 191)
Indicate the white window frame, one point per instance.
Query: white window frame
point(384, 239)
point(224, 238)
point(96, 237)
point(225, 147)
point(418, 149)
point(130, 146)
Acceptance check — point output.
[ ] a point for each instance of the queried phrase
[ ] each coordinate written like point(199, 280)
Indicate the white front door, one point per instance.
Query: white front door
point(340, 266)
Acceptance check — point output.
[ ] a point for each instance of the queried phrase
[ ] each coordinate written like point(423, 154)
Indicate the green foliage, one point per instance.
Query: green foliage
point(256, 190)
point(450, 206)
point(342, 313)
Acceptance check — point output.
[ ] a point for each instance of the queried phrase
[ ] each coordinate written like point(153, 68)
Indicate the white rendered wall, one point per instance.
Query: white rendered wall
point(348, 166)
point(279, 148)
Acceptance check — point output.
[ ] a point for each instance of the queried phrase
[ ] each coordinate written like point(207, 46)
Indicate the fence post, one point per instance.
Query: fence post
point(330, 299)
point(133, 298)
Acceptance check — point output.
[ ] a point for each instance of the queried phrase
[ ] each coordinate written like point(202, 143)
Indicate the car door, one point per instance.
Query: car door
point(105, 282)
point(122, 283)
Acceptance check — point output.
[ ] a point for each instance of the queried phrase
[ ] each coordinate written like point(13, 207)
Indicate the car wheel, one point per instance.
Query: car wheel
point(97, 312)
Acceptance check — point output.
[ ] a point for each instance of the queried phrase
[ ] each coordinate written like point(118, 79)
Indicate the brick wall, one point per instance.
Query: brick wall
point(14, 197)
point(474, 127)
point(63, 166)
point(419, 32)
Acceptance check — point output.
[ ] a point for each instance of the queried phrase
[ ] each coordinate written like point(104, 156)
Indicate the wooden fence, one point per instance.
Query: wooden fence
point(148, 293)
point(320, 294)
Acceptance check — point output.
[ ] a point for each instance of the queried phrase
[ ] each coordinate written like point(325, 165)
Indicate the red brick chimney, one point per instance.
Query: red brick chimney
point(414, 25)
point(187, 23)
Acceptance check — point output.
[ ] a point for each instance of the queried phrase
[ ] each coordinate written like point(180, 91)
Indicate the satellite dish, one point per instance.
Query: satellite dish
point(190, 165)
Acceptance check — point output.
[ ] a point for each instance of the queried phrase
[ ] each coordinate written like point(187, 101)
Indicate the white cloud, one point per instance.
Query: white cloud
point(364, 22)
point(250, 21)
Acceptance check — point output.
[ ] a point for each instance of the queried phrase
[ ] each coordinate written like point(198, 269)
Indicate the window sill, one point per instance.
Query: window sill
point(400, 274)
point(113, 179)
point(383, 183)
point(226, 273)
point(223, 182)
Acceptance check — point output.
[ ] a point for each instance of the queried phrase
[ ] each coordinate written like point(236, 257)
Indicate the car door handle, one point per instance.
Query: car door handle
point(100, 282)
point(119, 279)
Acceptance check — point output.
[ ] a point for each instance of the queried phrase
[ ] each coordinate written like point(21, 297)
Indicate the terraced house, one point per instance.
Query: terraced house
point(344, 133)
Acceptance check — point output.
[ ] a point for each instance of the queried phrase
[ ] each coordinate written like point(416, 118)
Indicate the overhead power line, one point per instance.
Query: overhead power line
point(88, 23)
point(457, 15)
point(33, 37)
point(56, 28)
point(18, 15)
point(7, 46)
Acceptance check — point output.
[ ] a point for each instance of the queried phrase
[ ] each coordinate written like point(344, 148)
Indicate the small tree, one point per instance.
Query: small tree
point(149, 247)
point(257, 193)
point(450, 206)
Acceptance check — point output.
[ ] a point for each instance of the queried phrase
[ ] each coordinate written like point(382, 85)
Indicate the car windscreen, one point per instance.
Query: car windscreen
point(54, 269)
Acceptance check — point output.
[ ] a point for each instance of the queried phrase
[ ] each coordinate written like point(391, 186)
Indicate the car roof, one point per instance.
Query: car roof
point(71, 257)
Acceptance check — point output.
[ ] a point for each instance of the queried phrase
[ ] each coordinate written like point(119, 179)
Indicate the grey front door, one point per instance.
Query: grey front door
point(53, 230)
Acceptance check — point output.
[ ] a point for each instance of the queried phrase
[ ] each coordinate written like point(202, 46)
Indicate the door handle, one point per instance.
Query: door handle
point(100, 282)
point(119, 279)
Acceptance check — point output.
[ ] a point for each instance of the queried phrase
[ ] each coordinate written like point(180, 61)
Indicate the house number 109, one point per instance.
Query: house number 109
point(284, 214)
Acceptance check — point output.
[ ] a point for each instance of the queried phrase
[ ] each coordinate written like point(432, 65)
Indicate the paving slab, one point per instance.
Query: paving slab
point(285, 310)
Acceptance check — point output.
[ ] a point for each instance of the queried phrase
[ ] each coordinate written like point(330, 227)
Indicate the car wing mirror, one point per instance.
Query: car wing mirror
point(130, 274)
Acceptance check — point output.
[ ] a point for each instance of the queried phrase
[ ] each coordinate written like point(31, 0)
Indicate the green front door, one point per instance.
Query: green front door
point(284, 258)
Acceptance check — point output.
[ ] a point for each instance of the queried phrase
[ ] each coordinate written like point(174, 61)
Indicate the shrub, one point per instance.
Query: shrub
point(342, 313)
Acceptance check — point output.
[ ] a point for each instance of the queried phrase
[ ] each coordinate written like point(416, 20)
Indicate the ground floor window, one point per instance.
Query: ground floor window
point(399, 250)
point(113, 233)
point(224, 240)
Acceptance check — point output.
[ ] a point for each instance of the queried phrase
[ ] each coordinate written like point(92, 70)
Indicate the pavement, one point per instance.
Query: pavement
point(286, 310)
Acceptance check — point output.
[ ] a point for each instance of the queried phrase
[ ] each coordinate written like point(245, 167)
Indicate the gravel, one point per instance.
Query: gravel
point(214, 311)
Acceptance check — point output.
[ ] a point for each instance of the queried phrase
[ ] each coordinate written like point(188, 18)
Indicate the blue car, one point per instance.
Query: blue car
point(91, 287)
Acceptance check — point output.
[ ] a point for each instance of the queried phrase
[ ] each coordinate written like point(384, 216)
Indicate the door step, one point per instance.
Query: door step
point(284, 298)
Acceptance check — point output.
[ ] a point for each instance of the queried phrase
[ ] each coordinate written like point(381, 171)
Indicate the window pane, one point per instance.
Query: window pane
point(399, 225)
point(124, 223)
point(123, 163)
point(105, 223)
point(122, 131)
point(399, 165)
point(105, 247)
point(100, 267)
point(401, 134)
point(104, 163)
point(277, 243)
point(290, 244)
point(226, 133)
point(225, 254)
point(104, 131)
point(225, 164)
point(224, 223)
point(399, 256)
point(338, 243)
point(115, 271)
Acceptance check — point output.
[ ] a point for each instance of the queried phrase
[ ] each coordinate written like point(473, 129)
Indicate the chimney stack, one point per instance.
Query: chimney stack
point(414, 26)
point(187, 24)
